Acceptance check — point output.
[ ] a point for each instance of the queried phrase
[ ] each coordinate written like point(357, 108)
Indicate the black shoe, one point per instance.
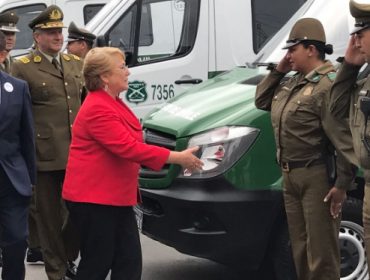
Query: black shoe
point(34, 255)
point(1, 261)
point(71, 270)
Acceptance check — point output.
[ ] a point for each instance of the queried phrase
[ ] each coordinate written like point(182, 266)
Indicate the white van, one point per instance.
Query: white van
point(79, 11)
point(173, 44)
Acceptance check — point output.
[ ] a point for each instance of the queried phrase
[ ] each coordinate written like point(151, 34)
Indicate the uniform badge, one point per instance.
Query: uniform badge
point(24, 59)
point(37, 59)
point(316, 78)
point(76, 57)
point(308, 91)
point(55, 14)
point(66, 57)
point(332, 76)
point(8, 87)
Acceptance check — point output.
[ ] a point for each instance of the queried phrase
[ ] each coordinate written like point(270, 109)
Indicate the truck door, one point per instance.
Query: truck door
point(166, 47)
point(26, 13)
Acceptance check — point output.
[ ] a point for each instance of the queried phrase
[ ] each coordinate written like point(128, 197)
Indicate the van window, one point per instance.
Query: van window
point(122, 34)
point(167, 29)
point(269, 17)
point(26, 13)
point(90, 11)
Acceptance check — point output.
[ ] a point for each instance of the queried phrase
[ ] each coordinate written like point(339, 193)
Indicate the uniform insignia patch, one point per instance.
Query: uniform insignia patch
point(316, 78)
point(24, 59)
point(308, 91)
point(37, 59)
point(66, 57)
point(76, 57)
point(332, 76)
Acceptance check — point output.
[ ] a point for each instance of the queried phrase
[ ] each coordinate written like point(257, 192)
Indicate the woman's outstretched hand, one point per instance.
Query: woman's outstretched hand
point(186, 159)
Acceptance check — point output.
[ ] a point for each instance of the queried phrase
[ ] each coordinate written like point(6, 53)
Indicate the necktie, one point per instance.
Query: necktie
point(7, 66)
point(57, 66)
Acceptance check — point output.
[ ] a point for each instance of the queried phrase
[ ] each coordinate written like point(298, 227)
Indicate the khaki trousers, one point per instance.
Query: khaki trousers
point(313, 231)
point(58, 237)
point(366, 221)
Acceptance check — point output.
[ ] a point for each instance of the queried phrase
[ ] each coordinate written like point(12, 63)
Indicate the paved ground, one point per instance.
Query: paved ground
point(164, 263)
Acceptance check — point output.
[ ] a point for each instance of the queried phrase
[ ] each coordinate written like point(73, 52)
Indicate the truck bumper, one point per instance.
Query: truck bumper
point(212, 219)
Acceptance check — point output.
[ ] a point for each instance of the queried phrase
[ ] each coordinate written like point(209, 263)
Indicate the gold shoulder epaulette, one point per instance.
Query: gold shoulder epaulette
point(37, 59)
point(24, 59)
point(76, 57)
point(66, 57)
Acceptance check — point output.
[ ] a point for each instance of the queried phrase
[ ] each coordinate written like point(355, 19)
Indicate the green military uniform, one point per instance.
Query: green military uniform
point(56, 86)
point(304, 128)
point(345, 100)
point(8, 21)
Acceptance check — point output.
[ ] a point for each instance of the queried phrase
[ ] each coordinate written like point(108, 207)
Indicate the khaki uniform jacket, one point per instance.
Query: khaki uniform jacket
point(345, 97)
point(10, 66)
point(56, 100)
point(303, 125)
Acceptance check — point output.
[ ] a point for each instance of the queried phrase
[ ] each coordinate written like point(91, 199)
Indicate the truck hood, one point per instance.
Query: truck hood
point(217, 102)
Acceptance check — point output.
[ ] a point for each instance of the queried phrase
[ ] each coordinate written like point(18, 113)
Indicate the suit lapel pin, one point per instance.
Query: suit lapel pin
point(8, 87)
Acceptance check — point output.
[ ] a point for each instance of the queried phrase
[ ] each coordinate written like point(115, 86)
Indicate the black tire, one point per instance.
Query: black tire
point(351, 241)
point(282, 256)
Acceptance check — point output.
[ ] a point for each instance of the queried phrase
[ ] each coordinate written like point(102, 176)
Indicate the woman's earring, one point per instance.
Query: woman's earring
point(106, 88)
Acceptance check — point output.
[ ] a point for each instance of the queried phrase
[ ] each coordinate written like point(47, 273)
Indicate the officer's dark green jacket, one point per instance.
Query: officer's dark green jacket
point(56, 99)
point(303, 125)
point(345, 97)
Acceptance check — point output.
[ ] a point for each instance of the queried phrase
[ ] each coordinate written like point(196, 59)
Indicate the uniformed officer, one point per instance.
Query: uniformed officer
point(304, 130)
point(8, 21)
point(346, 96)
point(79, 41)
point(56, 86)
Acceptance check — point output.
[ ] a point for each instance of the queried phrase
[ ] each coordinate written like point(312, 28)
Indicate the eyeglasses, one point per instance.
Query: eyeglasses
point(123, 68)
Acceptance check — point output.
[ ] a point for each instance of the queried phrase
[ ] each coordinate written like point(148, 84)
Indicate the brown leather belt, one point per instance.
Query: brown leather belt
point(286, 166)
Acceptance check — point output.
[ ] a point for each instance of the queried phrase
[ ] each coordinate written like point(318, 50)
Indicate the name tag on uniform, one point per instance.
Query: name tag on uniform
point(285, 88)
point(363, 92)
point(308, 91)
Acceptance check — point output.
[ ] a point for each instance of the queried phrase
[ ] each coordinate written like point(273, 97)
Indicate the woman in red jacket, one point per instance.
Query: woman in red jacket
point(101, 183)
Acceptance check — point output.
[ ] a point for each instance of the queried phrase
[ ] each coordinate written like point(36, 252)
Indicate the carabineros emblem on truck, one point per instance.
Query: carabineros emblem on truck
point(136, 92)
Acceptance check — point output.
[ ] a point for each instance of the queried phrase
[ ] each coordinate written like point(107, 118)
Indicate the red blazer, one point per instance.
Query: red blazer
point(106, 150)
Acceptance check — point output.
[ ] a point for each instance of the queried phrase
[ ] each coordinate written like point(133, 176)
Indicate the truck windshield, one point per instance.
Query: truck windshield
point(337, 21)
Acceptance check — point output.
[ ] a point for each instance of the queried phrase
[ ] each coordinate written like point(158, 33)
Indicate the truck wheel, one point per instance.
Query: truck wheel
point(282, 256)
point(351, 242)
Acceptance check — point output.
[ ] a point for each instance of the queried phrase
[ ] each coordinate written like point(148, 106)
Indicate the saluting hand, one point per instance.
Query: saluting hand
point(337, 198)
point(284, 65)
point(353, 54)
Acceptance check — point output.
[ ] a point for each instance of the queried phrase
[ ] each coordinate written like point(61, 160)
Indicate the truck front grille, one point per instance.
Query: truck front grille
point(160, 139)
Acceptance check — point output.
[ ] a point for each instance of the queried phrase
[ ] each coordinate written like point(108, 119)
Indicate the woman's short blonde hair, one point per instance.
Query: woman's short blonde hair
point(99, 61)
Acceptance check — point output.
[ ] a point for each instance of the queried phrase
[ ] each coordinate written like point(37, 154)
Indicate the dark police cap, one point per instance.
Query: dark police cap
point(361, 13)
point(306, 29)
point(78, 34)
point(8, 20)
point(51, 17)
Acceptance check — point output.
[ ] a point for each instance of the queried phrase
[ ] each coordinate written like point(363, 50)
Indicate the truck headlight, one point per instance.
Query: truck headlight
point(220, 149)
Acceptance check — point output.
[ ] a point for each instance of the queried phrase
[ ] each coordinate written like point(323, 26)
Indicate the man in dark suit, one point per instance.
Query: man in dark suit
point(17, 169)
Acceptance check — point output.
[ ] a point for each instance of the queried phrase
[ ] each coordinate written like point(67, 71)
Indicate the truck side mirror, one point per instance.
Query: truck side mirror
point(100, 41)
point(129, 56)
